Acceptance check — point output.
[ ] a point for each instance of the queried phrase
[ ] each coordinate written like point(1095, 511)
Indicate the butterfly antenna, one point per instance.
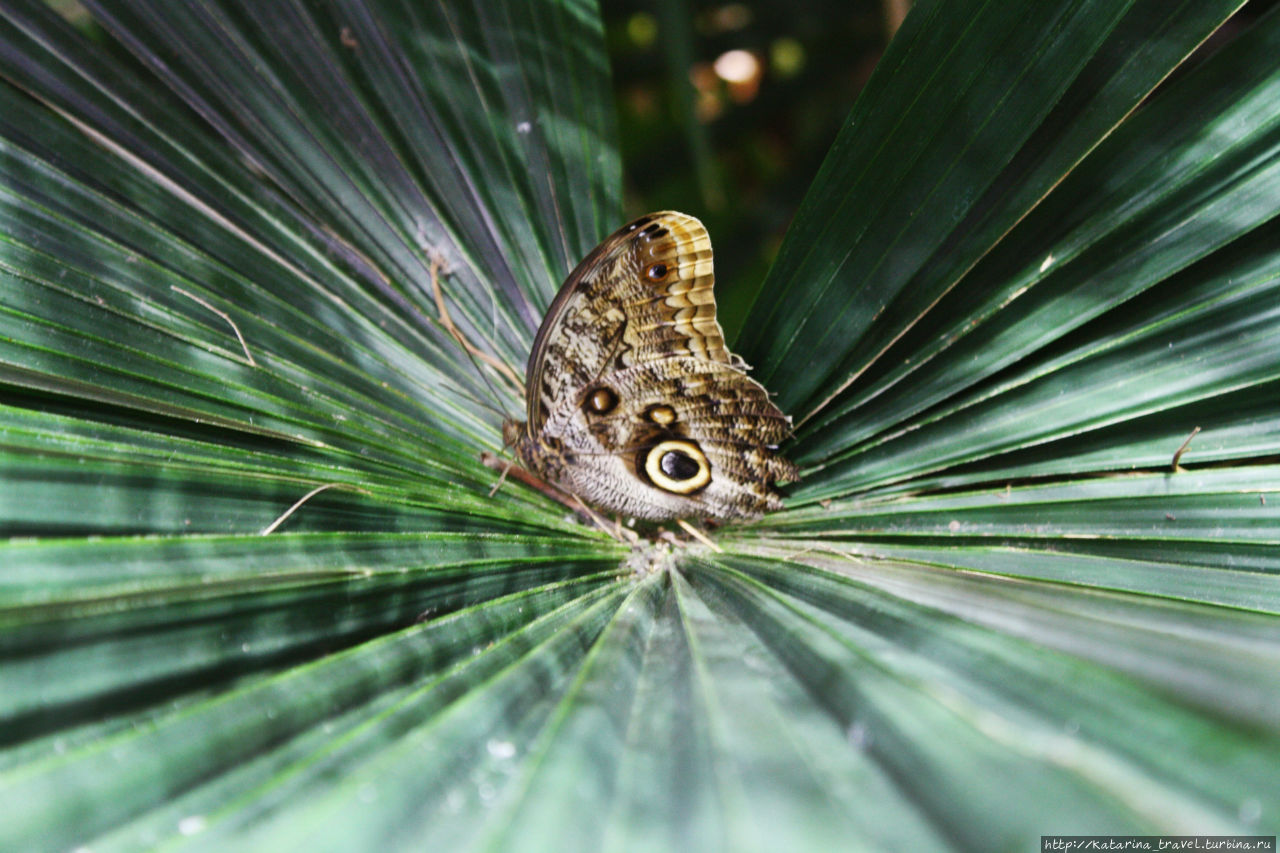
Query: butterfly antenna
point(500, 412)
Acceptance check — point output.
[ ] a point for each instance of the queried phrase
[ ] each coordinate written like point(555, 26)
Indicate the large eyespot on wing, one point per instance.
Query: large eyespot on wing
point(678, 412)
point(676, 465)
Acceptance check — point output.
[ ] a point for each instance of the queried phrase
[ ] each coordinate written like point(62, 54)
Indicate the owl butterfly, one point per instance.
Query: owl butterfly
point(633, 402)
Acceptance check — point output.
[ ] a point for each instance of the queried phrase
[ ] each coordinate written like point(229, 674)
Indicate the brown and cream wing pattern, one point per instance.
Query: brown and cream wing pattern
point(645, 293)
point(634, 404)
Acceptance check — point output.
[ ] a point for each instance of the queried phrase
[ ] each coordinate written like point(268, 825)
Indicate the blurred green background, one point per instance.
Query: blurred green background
point(727, 109)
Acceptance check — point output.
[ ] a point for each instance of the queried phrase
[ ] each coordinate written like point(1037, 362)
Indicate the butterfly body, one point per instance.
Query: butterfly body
point(633, 402)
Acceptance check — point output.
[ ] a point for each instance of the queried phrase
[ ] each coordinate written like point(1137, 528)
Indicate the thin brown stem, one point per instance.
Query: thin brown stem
point(699, 535)
point(225, 316)
point(438, 292)
point(1177, 454)
point(271, 528)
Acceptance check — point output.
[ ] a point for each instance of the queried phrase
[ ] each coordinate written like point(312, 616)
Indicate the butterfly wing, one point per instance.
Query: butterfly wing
point(634, 403)
point(643, 293)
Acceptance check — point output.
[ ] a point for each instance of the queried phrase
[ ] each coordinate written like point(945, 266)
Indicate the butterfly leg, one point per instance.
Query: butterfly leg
point(507, 467)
